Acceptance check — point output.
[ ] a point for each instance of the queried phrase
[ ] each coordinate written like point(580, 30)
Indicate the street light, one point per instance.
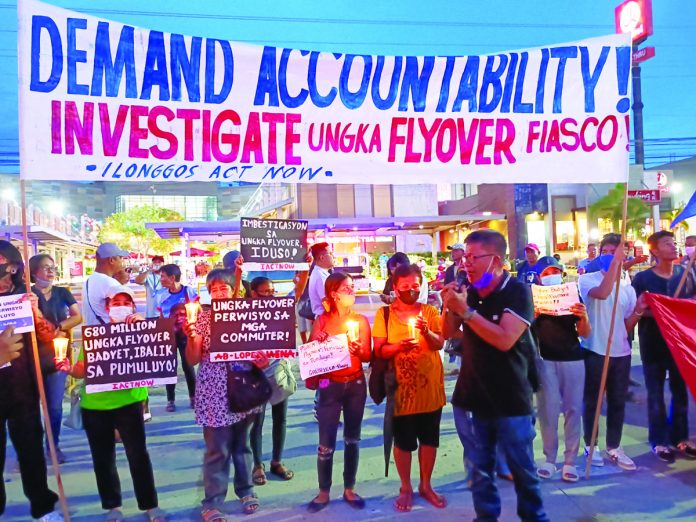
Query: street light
point(8, 194)
point(676, 187)
point(56, 207)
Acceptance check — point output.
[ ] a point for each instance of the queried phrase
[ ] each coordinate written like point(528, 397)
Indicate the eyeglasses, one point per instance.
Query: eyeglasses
point(48, 268)
point(469, 258)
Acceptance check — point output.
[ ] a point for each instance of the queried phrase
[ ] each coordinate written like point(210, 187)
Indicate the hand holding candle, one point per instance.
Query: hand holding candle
point(192, 311)
point(60, 347)
point(412, 328)
point(353, 331)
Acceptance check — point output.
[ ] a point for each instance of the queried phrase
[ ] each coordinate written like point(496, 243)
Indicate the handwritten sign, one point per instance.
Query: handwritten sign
point(555, 299)
point(318, 358)
point(273, 244)
point(16, 313)
point(121, 356)
point(108, 101)
point(241, 327)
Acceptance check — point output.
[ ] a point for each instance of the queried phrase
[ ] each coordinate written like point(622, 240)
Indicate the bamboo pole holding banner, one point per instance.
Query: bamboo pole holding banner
point(688, 268)
point(612, 324)
point(37, 365)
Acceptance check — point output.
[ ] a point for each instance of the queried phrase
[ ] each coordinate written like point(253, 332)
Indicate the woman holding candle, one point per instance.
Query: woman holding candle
point(61, 313)
point(343, 390)
point(412, 339)
point(226, 433)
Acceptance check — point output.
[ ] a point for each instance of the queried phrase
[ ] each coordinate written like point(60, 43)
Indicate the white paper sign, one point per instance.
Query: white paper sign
point(318, 358)
point(555, 299)
point(16, 313)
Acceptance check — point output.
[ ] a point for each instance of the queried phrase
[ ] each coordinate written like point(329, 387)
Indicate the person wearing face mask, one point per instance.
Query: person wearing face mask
point(62, 313)
point(409, 334)
point(561, 376)
point(104, 413)
point(597, 290)
point(664, 432)
point(226, 433)
point(689, 249)
point(19, 400)
point(492, 400)
point(150, 278)
point(388, 296)
point(341, 391)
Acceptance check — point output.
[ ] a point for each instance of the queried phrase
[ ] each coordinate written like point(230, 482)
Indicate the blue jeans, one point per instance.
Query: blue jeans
point(664, 430)
point(55, 391)
point(515, 436)
point(465, 430)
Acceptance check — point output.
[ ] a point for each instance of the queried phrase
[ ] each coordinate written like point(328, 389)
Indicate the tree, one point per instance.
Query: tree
point(128, 230)
point(611, 207)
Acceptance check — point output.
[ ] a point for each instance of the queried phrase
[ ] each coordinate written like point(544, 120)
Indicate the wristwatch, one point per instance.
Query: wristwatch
point(466, 316)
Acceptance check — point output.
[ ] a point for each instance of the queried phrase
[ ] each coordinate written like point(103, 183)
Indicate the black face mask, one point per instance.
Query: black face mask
point(409, 297)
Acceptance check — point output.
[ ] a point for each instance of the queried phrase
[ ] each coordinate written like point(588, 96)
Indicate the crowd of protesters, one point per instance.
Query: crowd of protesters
point(509, 354)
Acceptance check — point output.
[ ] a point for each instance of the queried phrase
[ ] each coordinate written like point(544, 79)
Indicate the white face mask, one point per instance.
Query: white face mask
point(553, 279)
point(41, 283)
point(690, 250)
point(346, 300)
point(118, 314)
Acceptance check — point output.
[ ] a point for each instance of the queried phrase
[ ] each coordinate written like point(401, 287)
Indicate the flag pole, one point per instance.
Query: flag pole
point(37, 365)
point(688, 268)
point(612, 324)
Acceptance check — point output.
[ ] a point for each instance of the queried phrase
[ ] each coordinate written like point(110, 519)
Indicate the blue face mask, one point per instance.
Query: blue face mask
point(604, 262)
point(486, 279)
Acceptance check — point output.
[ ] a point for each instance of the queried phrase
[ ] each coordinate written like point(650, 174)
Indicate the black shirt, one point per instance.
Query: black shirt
point(55, 310)
point(493, 383)
point(557, 337)
point(526, 274)
point(652, 345)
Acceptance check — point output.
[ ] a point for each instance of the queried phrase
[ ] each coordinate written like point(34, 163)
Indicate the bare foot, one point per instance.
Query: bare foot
point(404, 502)
point(436, 500)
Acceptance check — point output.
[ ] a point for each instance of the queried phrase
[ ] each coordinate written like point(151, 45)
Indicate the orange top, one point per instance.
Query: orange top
point(333, 328)
point(420, 376)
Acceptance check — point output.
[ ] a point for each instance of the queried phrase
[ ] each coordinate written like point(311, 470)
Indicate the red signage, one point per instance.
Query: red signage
point(649, 196)
point(634, 17)
point(641, 55)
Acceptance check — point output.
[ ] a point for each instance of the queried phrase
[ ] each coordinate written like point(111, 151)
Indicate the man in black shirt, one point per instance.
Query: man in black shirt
point(663, 278)
point(525, 270)
point(494, 384)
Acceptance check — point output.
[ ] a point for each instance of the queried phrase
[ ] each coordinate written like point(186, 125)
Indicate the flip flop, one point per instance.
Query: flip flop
point(258, 475)
point(570, 473)
point(281, 471)
point(433, 498)
point(213, 515)
point(404, 508)
point(250, 504)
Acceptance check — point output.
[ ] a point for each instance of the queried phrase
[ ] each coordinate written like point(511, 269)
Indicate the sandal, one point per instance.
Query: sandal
point(433, 498)
point(281, 471)
point(570, 473)
point(250, 504)
point(114, 515)
point(156, 515)
point(213, 515)
point(546, 470)
point(407, 504)
point(258, 475)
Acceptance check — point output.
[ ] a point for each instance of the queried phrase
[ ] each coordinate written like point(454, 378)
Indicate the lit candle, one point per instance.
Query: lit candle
point(60, 347)
point(412, 327)
point(192, 311)
point(353, 330)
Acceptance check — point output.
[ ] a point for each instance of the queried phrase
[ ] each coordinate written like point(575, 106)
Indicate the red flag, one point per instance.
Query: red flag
point(677, 321)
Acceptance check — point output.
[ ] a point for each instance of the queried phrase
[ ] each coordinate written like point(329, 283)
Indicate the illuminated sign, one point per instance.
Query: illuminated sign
point(634, 17)
point(649, 195)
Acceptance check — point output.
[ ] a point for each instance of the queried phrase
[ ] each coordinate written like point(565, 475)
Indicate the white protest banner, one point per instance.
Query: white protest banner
point(555, 299)
point(14, 312)
point(318, 358)
point(101, 100)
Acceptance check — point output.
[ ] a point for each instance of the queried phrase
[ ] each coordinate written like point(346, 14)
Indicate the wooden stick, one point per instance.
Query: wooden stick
point(682, 281)
point(37, 365)
point(612, 323)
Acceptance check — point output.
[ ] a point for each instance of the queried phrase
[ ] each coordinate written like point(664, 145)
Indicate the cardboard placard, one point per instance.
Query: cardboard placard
point(241, 327)
point(273, 244)
point(121, 356)
point(555, 299)
point(14, 312)
point(317, 358)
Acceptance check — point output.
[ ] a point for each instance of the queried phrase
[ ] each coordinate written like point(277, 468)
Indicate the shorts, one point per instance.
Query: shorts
point(303, 324)
point(418, 428)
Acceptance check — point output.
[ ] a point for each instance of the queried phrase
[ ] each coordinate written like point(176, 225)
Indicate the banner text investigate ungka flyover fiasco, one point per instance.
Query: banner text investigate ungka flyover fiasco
point(200, 122)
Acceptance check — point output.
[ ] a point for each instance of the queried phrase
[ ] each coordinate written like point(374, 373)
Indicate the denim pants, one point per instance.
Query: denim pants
point(348, 397)
point(664, 430)
point(222, 445)
point(24, 426)
point(465, 430)
point(128, 420)
point(55, 391)
point(560, 391)
point(280, 414)
point(189, 374)
point(515, 435)
point(618, 377)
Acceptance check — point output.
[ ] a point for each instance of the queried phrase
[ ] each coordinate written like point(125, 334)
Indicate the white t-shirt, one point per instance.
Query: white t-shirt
point(94, 293)
point(599, 312)
point(316, 289)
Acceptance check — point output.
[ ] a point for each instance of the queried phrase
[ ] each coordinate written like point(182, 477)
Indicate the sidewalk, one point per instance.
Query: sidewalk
point(656, 491)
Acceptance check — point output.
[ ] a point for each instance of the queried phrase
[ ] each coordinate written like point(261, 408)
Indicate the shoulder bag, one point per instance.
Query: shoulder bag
point(282, 380)
point(382, 381)
point(247, 390)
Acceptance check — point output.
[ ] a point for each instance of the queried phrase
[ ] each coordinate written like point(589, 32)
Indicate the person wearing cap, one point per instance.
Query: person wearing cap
point(525, 270)
point(105, 412)
point(19, 403)
point(457, 262)
point(150, 279)
point(561, 375)
point(110, 261)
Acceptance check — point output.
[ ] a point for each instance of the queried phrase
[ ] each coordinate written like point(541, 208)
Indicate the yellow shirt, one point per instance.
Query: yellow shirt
point(419, 374)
